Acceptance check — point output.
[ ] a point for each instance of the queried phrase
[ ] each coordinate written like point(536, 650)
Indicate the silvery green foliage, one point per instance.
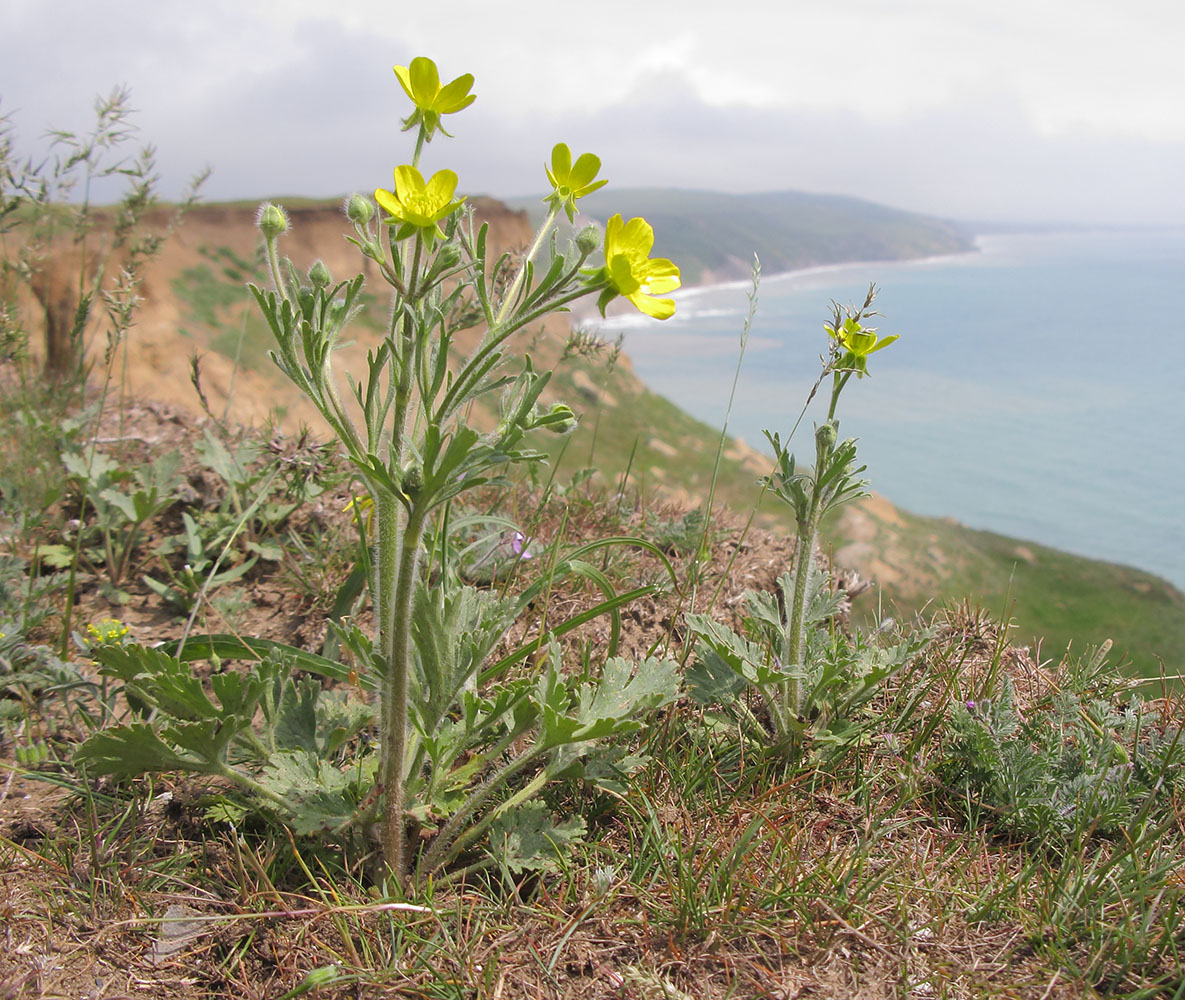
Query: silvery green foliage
point(818, 704)
point(118, 502)
point(291, 763)
point(1073, 765)
point(475, 760)
point(477, 757)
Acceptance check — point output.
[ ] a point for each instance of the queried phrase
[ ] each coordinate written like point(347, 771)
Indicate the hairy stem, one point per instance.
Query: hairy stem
point(395, 642)
point(512, 291)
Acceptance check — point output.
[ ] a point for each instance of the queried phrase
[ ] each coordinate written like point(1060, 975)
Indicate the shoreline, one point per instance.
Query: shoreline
point(980, 239)
point(623, 314)
point(690, 291)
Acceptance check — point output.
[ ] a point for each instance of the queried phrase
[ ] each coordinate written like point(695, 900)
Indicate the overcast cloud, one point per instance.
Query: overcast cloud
point(1066, 110)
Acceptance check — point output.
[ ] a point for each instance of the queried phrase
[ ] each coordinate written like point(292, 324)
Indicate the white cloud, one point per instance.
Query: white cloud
point(984, 108)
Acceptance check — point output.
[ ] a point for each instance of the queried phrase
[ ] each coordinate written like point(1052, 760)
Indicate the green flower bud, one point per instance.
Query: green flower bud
point(359, 210)
point(449, 256)
point(825, 436)
point(560, 419)
point(271, 220)
point(319, 275)
point(588, 240)
point(412, 480)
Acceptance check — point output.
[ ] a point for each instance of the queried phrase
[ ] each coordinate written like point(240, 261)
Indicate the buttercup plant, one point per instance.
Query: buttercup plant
point(456, 762)
point(810, 683)
point(412, 445)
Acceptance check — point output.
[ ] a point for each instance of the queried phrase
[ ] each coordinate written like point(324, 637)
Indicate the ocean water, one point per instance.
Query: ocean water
point(1036, 390)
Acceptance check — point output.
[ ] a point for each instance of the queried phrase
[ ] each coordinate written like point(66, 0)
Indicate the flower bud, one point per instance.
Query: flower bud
point(320, 977)
point(588, 240)
point(359, 209)
point(271, 220)
point(560, 419)
point(412, 480)
point(319, 275)
point(449, 256)
point(825, 435)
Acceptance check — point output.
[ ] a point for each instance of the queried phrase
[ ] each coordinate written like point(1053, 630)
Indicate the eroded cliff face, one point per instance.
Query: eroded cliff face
point(167, 334)
point(195, 303)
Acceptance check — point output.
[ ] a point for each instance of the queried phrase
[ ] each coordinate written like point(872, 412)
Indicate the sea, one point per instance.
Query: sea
point(1036, 389)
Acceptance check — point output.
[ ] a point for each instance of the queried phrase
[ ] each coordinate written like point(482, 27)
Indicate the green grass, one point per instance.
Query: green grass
point(723, 869)
point(1056, 599)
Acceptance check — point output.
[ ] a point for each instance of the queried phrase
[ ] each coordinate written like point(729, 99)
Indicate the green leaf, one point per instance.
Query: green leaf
point(232, 647)
point(129, 751)
point(319, 797)
point(123, 503)
point(340, 717)
point(610, 704)
point(453, 632)
point(296, 725)
point(56, 556)
point(712, 681)
point(158, 680)
point(528, 839)
point(744, 658)
point(208, 740)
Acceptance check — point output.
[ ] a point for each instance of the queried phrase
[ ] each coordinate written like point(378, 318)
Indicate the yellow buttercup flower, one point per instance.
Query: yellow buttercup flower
point(421, 82)
point(571, 180)
point(416, 206)
point(857, 342)
point(630, 271)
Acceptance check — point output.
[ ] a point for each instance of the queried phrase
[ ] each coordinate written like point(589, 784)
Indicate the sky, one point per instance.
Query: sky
point(980, 110)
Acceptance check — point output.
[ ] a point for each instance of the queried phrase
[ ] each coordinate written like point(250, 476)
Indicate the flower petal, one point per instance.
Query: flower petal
point(612, 233)
point(389, 202)
point(561, 164)
point(401, 72)
point(409, 182)
point(621, 274)
point(883, 342)
point(661, 276)
point(441, 187)
point(658, 308)
point(425, 82)
point(584, 170)
point(638, 236)
point(455, 96)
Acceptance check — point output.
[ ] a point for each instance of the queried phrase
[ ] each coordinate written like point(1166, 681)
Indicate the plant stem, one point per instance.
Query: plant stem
point(512, 291)
point(795, 651)
point(395, 640)
point(451, 833)
point(804, 548)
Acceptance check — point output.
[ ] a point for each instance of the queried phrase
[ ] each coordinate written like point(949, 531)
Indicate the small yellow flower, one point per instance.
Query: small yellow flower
point(857, 342)
point(418, 207)
point(421, 82)
point(107, 632)
point(629, 270)
point(571, 180)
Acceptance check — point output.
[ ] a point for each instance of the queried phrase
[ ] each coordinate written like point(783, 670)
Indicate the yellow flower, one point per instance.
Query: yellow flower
point(421, 82)
point(857, 342)
point(418, 207)
point(571, 181)
point(108, 631)
point(629, 271)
